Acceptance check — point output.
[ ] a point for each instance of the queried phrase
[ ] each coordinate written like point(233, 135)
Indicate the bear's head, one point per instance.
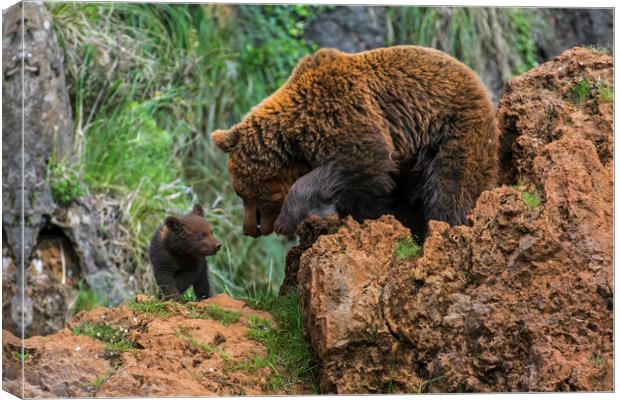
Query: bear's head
point(259, 175)
point(263, 162)
point(191, 233)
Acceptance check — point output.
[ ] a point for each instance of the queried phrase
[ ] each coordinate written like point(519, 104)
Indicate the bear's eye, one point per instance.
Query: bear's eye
point(200, 236)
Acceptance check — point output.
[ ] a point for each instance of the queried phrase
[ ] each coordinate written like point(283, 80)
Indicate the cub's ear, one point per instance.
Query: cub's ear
point(225, 140)
point(197, 210)
point(174, 223)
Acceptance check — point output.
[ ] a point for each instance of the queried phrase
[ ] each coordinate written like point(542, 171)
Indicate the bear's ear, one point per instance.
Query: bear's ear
point(174, 223)
point(225, 140)
point(197, 210)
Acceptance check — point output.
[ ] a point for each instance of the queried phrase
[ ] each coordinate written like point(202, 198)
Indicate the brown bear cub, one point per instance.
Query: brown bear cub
point(404, 130)
point(178, 250)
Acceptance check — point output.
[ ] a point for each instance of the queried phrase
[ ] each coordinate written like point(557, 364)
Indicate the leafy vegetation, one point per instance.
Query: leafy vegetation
point(153, 306)
point(464, 33)
point(605, 92)
point(64, 182)
point(587, 89)
point(214, 312)
point(286, 346)
point(22, 355)
point(580, 92)
point(115, 338)
point(407, 248)
point(531, 200)
point(194, 344)
point(87, 299)
point(148, 83)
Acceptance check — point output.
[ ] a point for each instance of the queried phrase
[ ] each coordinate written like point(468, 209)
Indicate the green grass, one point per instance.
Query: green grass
point(148, 83)
point(580, 92)
point(407, 248)
point(288, 353)
point(464, 32)
point(597, 49)
point(214, 312)
point(115, 338)
point(531, 200)
point(153, 306)
point(87, 299)
point(605, 92)
point(596, 360)
point(194, 344)
point(22, 356)
point(64, 182)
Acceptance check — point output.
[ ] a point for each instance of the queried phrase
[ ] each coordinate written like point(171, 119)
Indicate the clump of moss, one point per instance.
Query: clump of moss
point(407, 248)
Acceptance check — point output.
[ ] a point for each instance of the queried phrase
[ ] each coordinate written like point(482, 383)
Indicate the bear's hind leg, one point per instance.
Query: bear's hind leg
point(462, 167)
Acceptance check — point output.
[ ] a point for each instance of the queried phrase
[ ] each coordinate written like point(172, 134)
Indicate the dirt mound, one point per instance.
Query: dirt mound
point(520, 300)
point(149, 348)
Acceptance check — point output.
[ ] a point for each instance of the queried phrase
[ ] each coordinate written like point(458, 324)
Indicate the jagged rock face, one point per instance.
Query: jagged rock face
point(520, 300)
point(171, 356)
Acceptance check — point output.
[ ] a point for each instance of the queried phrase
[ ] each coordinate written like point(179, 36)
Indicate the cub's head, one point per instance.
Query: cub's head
point(258, 175)
point(191, 233)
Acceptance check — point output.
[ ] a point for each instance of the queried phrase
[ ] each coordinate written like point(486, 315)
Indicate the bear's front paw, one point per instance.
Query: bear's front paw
point(286, 225)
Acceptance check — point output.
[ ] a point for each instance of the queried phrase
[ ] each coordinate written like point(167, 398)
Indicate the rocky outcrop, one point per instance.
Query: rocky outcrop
point(196, 349)
point(521, 299)
point(51, 246)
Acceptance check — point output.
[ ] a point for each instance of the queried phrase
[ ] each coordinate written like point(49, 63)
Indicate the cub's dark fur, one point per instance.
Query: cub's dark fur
point(178, 250)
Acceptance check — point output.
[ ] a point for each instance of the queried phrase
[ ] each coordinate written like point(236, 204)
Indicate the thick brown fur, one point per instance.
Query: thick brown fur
point(404, 130)
point(178, 250)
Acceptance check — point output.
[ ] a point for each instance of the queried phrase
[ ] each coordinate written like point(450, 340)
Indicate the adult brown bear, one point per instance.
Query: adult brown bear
point(405, 130)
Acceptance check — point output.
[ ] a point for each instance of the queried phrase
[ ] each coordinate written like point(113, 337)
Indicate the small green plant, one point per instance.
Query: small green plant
point(407, 248)
point(596, 360)
point(605, 92)
point(531, 200)
point(597, 49)
point(98, 381)
point(87, 299)
point(115, 338)
point(189, 295)
point(288, 353)
point(153, 305)
point(214, 312)
point(194, 344)
point(424, 385)
point(580, 92)
point(64, 182)
point(22, 355)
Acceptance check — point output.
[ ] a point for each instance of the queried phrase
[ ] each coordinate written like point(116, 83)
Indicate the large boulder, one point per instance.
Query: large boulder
point(521, 299)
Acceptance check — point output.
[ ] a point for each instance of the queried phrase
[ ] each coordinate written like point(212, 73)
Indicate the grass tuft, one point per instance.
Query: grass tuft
point(115, 338)
point(288, 353)
point(22, 355)
point(605, 92)
point(407, 248)
point(87, 299)
point(214, 312)
point(531, 200)
point(153, 306)
point(64, 182)
point(194, 344)
point(580, 92)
